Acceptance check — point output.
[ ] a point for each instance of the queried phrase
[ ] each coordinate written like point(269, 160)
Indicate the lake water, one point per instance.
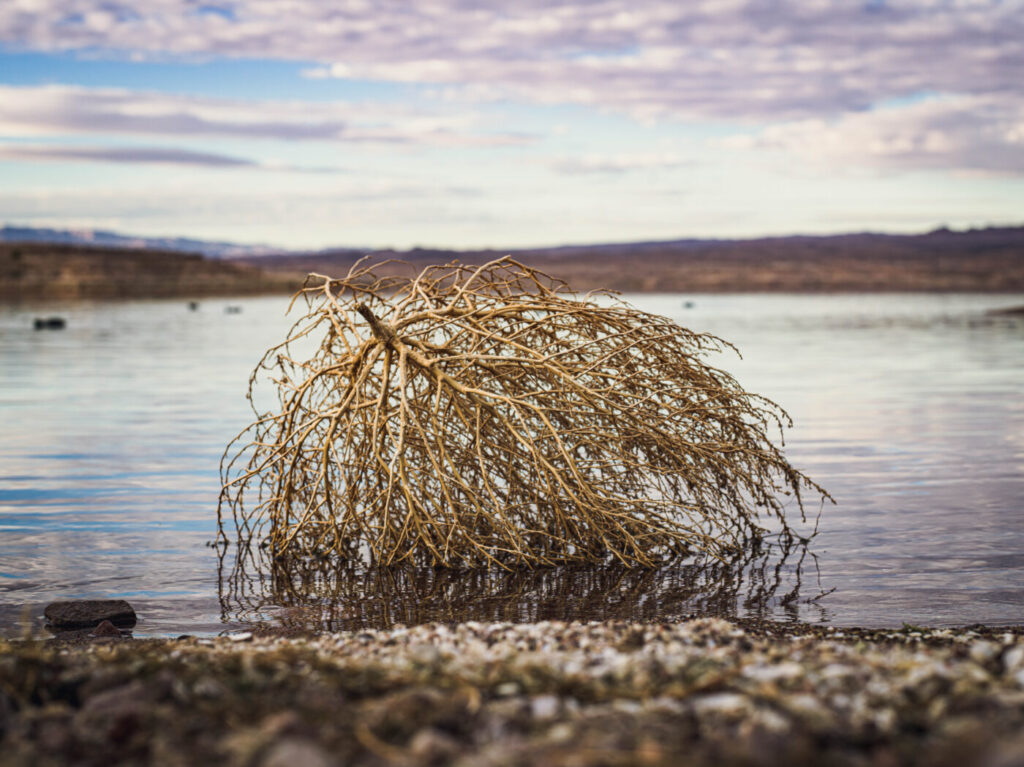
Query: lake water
point(909, 409)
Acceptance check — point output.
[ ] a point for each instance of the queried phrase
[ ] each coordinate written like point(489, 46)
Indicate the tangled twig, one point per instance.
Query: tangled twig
point(477, 416)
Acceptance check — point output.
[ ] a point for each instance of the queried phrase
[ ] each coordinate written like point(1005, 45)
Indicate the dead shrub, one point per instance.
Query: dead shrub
point(476, 416)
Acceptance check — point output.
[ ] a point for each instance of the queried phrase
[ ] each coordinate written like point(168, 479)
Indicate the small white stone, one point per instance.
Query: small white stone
point(771, 721)
point(804, 704)
point(1013, 659)
point(982, 651)
point(885, 720)
point(773, 673)
point(836, 671)
point(721, 703)
point(241, 636)
point(544, 707)
point(208, 687)
point(561, 733)
point(291, 752)
point(664, 703)
point(426, 655)
point(626, 706)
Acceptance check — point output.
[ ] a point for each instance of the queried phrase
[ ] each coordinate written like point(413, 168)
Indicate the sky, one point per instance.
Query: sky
point(475, 123)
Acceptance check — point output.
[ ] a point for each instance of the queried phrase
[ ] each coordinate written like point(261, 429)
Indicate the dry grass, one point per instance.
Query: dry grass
point(478, 416)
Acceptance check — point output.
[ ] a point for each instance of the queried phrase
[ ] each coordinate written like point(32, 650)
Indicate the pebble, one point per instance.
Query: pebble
point(773, 673)
point(544, 707)
point(982, 651)
point(1013, 659)
point(727, 703)
point(561, 733)
point(430, 745)
point(107, 630)
point(208, 687)
point(293, 752)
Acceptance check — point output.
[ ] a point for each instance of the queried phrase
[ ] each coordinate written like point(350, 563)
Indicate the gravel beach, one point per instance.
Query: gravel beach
point(704, 691)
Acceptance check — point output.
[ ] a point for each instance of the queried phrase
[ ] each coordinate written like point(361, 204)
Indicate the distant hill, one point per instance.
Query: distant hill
point(104, 239)
point(987, 260)
point(34, 270)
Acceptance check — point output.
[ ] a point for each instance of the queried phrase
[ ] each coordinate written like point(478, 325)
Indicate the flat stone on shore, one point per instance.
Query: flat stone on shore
point(88, 613)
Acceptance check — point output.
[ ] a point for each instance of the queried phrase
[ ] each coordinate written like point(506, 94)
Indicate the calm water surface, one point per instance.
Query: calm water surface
point(908, 408)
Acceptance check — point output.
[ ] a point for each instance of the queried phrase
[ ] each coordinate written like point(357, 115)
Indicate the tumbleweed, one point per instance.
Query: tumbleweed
point(475, 416)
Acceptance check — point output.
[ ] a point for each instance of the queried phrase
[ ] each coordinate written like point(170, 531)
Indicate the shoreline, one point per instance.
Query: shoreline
point(704, 691)
point(990, 262)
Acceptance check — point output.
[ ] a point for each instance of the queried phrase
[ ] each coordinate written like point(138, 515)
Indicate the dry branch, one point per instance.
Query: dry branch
point(476, 416)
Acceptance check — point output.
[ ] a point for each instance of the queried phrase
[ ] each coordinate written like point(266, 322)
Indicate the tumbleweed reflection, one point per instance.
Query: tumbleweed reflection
point(765, 581)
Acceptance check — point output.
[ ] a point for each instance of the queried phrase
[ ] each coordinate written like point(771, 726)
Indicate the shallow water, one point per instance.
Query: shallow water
point(908, 409)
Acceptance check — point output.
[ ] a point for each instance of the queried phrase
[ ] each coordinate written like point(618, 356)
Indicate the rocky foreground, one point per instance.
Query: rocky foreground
point(700, 692)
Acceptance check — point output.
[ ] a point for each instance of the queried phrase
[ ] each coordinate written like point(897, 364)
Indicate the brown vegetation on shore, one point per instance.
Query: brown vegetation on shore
point(44, 271)
point(986, 260)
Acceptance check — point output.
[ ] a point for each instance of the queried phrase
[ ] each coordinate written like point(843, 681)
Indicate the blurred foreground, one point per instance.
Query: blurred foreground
point(703, 692)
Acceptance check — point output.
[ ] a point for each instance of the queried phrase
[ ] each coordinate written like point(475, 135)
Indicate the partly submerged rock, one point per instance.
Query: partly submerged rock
point(88, 613)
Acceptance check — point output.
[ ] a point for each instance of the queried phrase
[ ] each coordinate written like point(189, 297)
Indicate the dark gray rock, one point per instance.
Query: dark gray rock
point(87, 613)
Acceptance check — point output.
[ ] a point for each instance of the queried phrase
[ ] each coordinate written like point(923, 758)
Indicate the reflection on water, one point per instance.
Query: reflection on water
point(908, 409)
point(769, 579)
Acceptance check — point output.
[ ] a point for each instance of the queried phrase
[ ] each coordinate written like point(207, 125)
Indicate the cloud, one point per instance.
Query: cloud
point(158, 155)
point(616, 163)
point(189, 197)
point(737, 60)
point(61, 109)
point(131, 155)
point(968, 133)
